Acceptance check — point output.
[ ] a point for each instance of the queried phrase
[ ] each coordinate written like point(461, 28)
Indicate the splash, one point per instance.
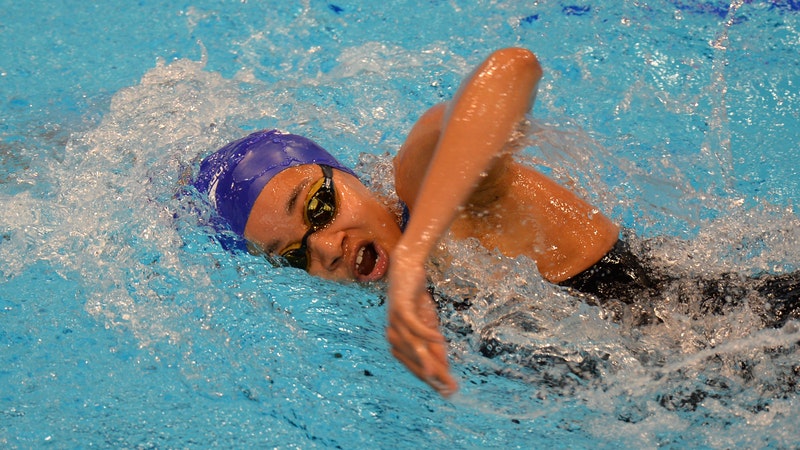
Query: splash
point(113, 212)
point(108, 218)
point(503, 318)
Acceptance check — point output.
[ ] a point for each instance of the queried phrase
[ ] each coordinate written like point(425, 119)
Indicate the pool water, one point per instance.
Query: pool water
point(126, 324)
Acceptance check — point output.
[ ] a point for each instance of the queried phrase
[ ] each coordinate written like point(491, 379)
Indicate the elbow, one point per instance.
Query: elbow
point(517, 60)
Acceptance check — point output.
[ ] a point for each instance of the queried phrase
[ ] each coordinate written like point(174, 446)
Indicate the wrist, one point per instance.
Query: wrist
point(407, 254)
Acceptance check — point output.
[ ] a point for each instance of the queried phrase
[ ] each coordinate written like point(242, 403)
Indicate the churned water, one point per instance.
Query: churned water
point(126, 324)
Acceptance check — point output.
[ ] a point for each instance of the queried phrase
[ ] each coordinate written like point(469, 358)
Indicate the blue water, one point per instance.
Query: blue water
point(124, 324)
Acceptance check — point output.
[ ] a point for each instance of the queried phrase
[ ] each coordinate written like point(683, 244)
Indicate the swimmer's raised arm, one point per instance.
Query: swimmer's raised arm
point(466, 134)
point(450, 150)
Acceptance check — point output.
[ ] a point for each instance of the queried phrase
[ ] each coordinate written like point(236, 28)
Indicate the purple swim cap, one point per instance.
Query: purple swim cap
point(234, 176)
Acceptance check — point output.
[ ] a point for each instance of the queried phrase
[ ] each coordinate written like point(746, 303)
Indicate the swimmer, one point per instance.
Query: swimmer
point(289, 198)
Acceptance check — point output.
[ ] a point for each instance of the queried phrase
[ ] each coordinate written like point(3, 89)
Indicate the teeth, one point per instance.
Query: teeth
point(360, 256)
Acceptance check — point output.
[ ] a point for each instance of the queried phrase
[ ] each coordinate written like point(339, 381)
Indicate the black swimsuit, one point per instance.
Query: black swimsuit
point(618, 275)
point(622, 278)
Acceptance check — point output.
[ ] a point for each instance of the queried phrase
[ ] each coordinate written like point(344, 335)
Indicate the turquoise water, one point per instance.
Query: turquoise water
point(124, 324)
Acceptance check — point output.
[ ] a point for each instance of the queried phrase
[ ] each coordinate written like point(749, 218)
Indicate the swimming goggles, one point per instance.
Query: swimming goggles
point(320, 210)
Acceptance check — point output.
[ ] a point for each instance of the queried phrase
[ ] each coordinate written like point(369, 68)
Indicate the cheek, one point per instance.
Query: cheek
point(385, 223)
point(268, 232)
point(367, 212)
point(377, 214)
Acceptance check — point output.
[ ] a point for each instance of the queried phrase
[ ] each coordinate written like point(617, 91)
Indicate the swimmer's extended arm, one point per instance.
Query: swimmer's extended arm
point(457, 146)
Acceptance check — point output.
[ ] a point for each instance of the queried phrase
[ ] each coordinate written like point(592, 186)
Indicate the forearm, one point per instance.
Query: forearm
point(475, 129)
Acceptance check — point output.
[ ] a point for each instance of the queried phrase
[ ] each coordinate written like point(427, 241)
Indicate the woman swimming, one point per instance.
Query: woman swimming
point(289, 197)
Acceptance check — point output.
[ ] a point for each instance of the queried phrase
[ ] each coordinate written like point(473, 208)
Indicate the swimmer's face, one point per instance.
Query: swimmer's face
point(355, 245)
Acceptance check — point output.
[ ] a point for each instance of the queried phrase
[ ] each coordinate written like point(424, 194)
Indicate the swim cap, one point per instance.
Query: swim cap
point(234, 176)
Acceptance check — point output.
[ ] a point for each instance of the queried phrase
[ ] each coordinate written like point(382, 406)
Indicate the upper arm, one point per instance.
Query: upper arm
point(414, 157)
point(474, 126)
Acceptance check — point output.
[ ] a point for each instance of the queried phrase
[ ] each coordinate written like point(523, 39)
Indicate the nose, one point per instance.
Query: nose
point(326, 249)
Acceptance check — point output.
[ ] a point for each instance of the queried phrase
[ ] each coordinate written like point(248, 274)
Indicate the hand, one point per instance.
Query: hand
point(413, 329)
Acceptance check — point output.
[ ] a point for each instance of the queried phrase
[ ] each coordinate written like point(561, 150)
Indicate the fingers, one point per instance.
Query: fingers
point(428, 361)
point(424, 355)
point(411, 323)
point(413, 332)
point(419, 316)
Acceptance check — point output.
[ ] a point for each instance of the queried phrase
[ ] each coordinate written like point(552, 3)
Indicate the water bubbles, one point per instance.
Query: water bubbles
point(637, 128)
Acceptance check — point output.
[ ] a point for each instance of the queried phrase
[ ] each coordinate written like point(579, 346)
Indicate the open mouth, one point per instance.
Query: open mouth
point(366, 259)
point(371, 263)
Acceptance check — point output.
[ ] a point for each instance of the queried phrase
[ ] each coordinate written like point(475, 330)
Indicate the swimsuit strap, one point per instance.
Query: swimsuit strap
point(405, 215)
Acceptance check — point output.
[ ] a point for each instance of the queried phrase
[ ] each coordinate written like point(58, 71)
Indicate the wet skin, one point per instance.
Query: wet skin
point(455, 173)
point(355, 246)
